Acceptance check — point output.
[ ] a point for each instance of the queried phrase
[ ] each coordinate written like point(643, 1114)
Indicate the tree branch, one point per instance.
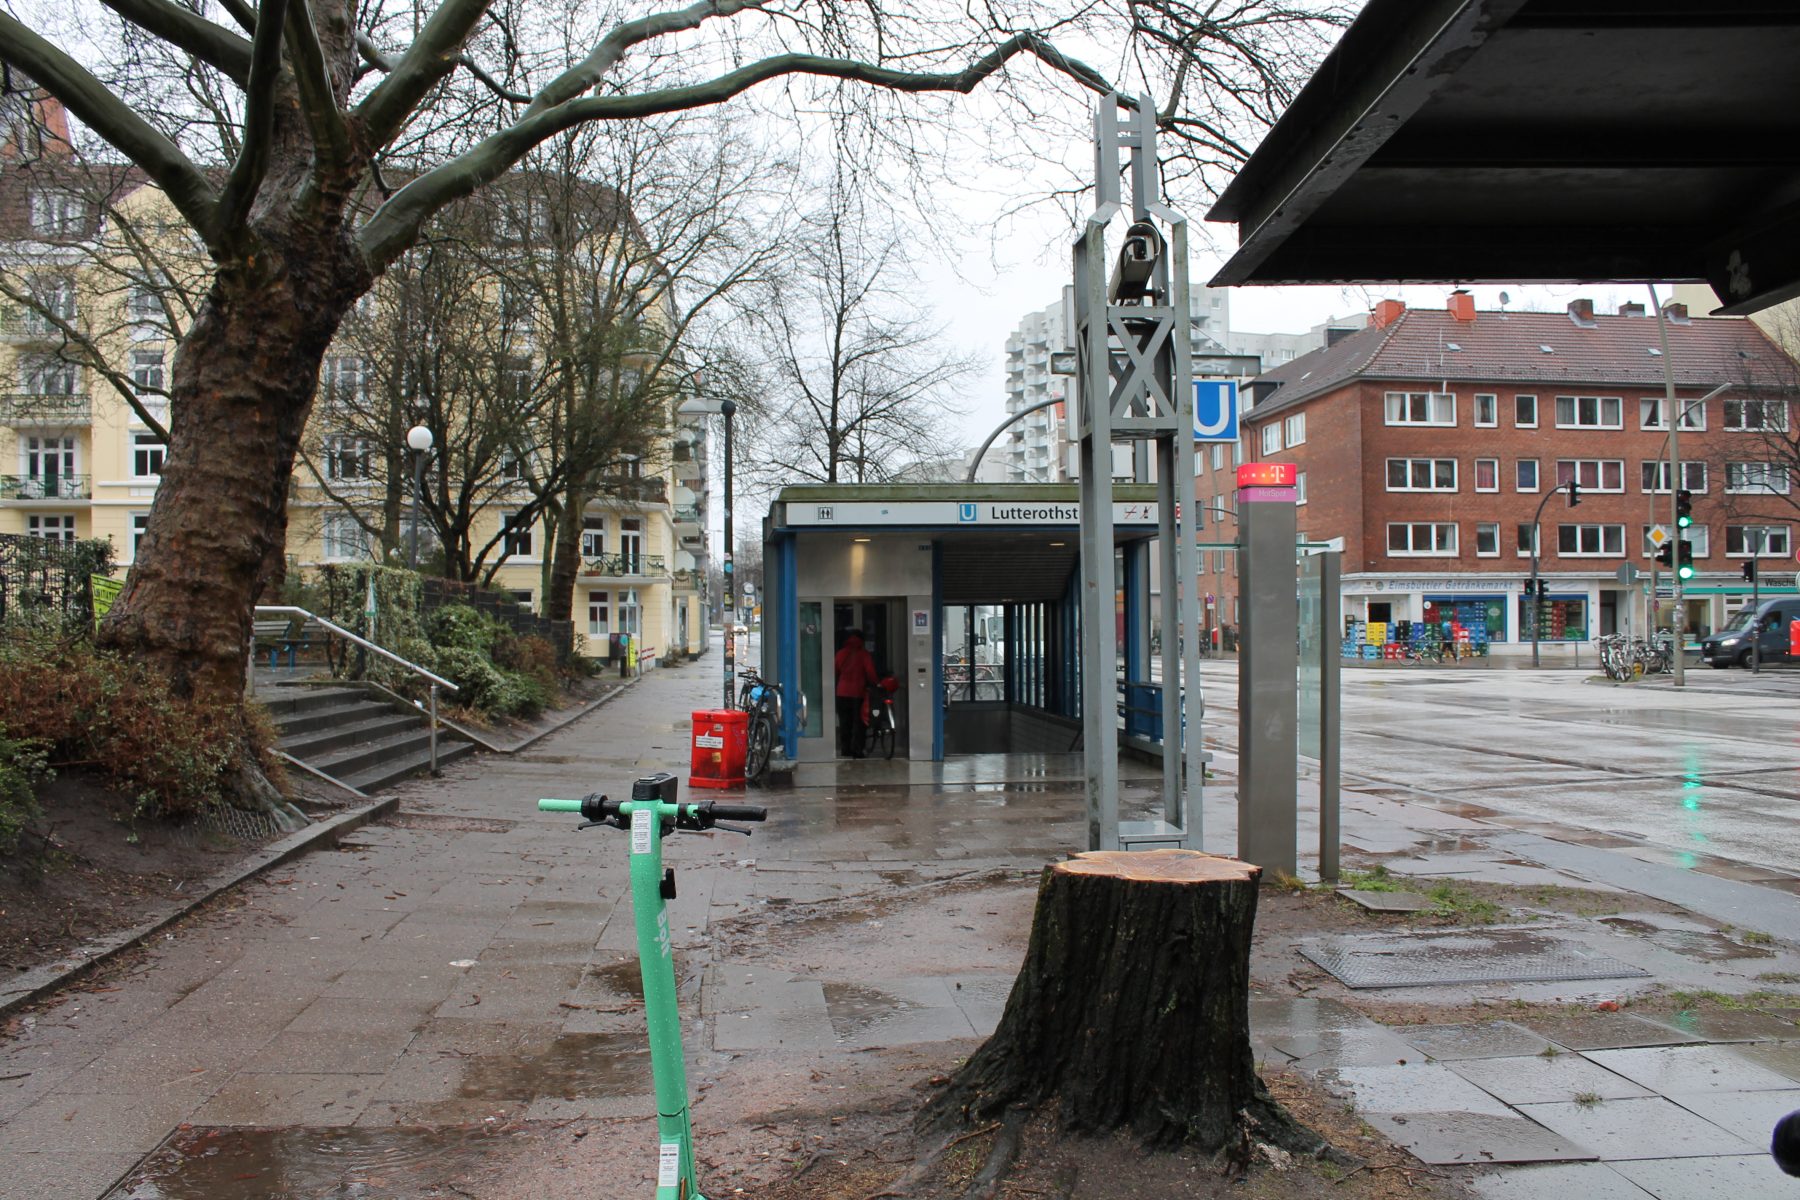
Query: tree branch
point(242, 13)
point(218, 48)
point(314, 81)
point(432, 55)
point(97, 108)
point(86, 355)
point(375, 57)
point(259, 119)
point(586, 74)
point(395, 224)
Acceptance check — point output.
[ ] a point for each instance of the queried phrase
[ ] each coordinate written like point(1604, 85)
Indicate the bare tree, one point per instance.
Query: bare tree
point(860, 379)
point(270, 130)
point(1755, 460)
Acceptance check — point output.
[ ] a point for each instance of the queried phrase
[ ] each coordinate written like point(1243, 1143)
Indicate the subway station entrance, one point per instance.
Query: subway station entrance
point(967, 595)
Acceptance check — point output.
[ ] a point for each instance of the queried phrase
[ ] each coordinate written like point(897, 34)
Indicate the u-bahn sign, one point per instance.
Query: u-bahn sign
point(1215, 410)
point(963, 514)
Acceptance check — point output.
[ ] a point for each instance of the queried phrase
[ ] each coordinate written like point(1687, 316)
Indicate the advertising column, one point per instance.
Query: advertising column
point(1267, 666)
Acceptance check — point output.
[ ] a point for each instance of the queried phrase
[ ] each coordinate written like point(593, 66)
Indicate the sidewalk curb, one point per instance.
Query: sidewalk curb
point(41, 981)
point(541, 734)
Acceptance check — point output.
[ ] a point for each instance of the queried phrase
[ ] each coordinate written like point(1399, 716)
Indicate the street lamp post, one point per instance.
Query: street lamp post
point(419, 439)
point(727, 602)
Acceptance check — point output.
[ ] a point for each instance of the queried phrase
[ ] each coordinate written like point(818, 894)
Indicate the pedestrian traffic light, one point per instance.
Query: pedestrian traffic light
point(1574, 493)
point(1684, 508)
point(1685, 565)
point(1665, 554)
point(1750, 571)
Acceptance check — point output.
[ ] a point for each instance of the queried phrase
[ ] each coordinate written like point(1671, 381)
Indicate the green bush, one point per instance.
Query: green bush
point(22, 768)
point(460, 627)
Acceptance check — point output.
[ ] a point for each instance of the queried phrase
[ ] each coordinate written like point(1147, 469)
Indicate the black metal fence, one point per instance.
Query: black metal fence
point(43, 579)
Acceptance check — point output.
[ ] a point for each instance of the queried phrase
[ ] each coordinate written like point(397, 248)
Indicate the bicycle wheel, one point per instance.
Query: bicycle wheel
point(762, 744)
point(881, 738)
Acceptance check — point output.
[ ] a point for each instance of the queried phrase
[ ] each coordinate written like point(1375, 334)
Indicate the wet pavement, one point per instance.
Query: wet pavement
point(367, 1021)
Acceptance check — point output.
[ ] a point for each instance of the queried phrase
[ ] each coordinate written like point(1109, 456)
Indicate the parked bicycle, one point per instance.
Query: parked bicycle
point(762, 700)
point(1626, 658)
point(883, 730)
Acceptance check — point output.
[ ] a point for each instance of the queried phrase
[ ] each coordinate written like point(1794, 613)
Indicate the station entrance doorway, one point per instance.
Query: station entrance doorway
point(878, 621)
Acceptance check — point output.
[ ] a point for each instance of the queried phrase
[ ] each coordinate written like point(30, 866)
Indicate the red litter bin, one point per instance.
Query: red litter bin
point(721, 743)
point(1794, 638)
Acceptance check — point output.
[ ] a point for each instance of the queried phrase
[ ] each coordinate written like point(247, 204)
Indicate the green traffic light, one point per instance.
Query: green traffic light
point(1686, 571)
point(1683, 521)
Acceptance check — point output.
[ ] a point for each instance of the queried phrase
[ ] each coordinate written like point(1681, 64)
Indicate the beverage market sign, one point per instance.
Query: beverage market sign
point(957, 513)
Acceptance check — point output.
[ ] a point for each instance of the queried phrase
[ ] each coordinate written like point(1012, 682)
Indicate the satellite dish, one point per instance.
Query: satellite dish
point(1505, 299)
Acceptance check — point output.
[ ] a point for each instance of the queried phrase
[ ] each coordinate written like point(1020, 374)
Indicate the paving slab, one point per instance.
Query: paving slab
point(1732, 1178)
point(1782, 1057)
point(1409, 1088)
point(1607, 1031)
point(1646, 1128)
point(1679, 1069)
point(1750, 1115)
point(1400, 902)
point(1335, 1048)
point(289, 1098)
point(61, 1174)
point(1486, 1039)
point(1581, 1181)
point(1464, 1137)
point(1273, 1015)
point(1539, 1080)
point(1733, 1026)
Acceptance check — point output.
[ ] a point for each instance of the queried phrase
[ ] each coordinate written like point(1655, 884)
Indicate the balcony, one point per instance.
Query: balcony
point(45, 487)
point(30, 408)
point(30, 327)
point(688, 514)
point(624, 566)
point(687, 577)
point(646, 489)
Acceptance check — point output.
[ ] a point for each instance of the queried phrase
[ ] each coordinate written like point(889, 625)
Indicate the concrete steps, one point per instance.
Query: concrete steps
point(357, 737)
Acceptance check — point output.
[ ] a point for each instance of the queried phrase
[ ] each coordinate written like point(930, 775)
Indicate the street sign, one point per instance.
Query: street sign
point(1658, 535)
point(1627, 575)
point(1215, 410)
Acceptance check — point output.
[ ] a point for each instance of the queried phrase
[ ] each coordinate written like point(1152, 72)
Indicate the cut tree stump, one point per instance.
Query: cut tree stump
point(1132, 1009)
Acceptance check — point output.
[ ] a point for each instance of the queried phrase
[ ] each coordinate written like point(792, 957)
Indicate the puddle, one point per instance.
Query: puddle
point(322, 1164)
point(1704, 945)
point(854, 1009)
point(575, 1066)
point(625, 978)
point(445, 823)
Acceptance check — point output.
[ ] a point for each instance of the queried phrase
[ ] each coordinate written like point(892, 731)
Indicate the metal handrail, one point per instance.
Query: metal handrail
point(437, 681)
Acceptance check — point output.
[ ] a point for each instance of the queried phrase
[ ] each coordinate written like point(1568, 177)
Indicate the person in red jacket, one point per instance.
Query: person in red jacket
point(855, 675)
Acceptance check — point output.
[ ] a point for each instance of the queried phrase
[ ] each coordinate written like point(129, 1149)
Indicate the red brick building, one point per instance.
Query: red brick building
point(1427, 442)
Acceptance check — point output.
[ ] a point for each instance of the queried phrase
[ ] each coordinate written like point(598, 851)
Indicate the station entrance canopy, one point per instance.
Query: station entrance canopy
point(1520, 141)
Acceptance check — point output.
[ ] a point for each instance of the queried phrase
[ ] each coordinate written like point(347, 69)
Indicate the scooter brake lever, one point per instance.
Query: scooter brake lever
point(591, 824)
point(743, 829)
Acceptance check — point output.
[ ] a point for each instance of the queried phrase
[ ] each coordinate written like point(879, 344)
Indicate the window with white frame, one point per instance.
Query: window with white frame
point(140, 525)
point(1418, 539)
point(1300, 487)
point(49, 467)
point(1590, 541)
point(1593, 474)
point(1487, 409)
point(1487, 539)
point(516, 535)
point(1487, 474)
point(1590, 412)
point(147, 375)
point(1653, 413)
point(52, 527)
point(521, 596)
point(348, 458)
point(1697, 537)
point(1756, 416)
point(593, 537)
point(1525, 412)
point(1757, 541)
point(1763, 477)
point(515, 464)
point(147, 454)
point(1420, 408)
point(1656, 476)
point(1525, 475)
point(143, 304)
point(55, 301)
point(1421, 474)
point(1293, 430)
point(1271, 438)
point(631, 613)
point(47, 375)
point(342, 380)
point(57, 213)
point(1218, 456)
point(1527, 539)
point(631, 544)
point(343, 537)
point(599, 610)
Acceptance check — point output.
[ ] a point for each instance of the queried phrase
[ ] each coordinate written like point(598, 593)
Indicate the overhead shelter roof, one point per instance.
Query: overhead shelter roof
point(1537, 141)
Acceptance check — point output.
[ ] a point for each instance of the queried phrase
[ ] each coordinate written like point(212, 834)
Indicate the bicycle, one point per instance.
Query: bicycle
point(652, 815)
point(882, 731)
point(762, 700)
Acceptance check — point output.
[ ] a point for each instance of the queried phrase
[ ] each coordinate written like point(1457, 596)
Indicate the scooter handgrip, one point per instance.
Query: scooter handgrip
point(573, 806)
point(739, 812)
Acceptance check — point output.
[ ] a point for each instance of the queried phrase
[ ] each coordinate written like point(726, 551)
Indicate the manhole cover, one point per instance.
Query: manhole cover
point(1462, 956)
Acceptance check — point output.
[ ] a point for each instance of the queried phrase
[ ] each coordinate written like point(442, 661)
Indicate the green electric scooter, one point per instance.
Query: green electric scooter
point(651, 815)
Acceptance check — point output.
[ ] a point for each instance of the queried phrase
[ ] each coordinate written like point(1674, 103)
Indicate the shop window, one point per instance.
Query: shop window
point(1558, 620)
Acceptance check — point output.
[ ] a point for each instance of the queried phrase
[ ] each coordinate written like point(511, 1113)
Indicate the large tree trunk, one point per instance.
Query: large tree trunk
point(559, 597)
point(1132, 1008)
point(243, 385)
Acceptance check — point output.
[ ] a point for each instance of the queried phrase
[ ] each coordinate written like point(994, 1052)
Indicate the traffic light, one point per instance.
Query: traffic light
point(1685, 564)
point(1684, 509)
point(1666, 554)
point(1574, 493)
point(1750, 571)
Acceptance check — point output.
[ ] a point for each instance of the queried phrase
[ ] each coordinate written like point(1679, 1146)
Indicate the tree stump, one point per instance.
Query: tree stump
point(1132, 1008)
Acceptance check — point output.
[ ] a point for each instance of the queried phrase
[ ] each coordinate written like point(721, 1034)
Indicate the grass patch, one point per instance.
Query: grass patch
point(1451, 900)
point(1748, 1002)
point(1587, 1099)
point(1375, 879)
point(1778, 977)
point(1755, 937)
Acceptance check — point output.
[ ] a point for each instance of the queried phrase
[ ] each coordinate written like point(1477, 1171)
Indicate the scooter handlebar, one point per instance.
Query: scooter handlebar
point(737, 812)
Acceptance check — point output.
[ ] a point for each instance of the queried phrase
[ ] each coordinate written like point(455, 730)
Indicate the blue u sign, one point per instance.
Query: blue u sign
point(1215, 410)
